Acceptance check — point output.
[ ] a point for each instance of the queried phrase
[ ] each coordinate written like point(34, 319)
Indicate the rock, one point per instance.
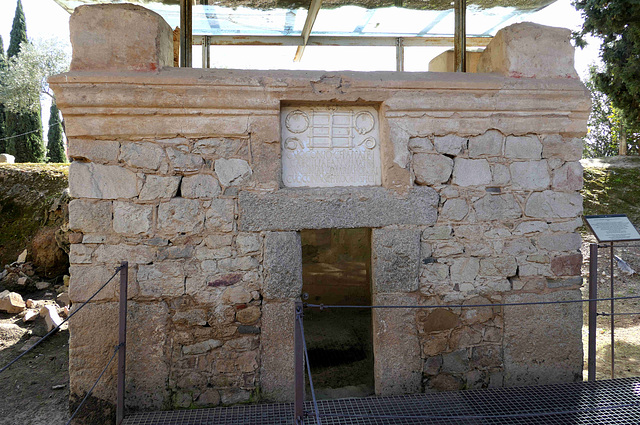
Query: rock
point(142, 155)
point(489, 144)
point(7, 159)
point(432, 169)
point(131, 219)
point(30, 316)
point(203, 186)
point(22, 281)
point(30, 343)
point(210, 397)
point(94, 150)
point(180, 215)
point(10, 333)
point(464, 269)
point(89, 180)
point(568, 178)
point(549, 204)
point(450, 144)
point(201, 347)
point(248, 243)
point(249, 315)
point(51, 317)
point(184, 161)
point(523, 147)
point(42, 285)
point(11, 302)
point(63, 299)
point(530, 175)
point(455, 209)
point(396, 262)
point(282, 265)
point(158, 187)
point(497, 207)
point(471, 172)
point(232, 171)
point(90, 216)
point(219, 216)
point(22, 258)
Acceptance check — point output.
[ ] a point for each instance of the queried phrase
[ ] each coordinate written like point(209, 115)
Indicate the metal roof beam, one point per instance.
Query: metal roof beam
point(326, 40)
point(314, 8)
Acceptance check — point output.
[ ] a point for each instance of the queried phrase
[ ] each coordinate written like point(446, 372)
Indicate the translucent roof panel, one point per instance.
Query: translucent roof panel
point(338, 21)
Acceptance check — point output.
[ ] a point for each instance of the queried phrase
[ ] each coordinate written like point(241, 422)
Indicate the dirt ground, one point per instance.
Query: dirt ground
point(626, 327)
point(35, 389)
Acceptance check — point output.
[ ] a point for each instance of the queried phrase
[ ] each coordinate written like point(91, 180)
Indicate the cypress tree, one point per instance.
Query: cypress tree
point(55, 147)
point(3, 133)
point(29, 147)
point(18, 31)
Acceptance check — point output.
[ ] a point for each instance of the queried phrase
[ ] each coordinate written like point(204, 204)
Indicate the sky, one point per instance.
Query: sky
point(46, 19)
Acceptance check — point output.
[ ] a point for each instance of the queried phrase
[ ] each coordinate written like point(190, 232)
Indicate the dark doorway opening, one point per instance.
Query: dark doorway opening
point(336, 270)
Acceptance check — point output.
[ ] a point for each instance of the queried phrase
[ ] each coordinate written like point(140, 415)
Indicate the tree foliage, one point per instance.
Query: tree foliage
point(606, 125)
point(617, 24)
point(25, 77)
point(3, 133)
point(55, 146)
point(18, 31)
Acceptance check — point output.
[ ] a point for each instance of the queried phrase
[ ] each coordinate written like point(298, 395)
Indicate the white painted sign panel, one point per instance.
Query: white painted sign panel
point(612, 228)
point(326, 146)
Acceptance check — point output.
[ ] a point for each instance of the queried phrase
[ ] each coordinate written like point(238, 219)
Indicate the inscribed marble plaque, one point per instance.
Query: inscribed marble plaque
point(325, 146)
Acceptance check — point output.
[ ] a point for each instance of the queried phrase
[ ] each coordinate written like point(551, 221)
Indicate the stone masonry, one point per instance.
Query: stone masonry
point(179, 172)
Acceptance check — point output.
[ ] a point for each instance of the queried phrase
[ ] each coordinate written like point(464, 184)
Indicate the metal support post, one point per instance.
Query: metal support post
point(460, 36)
point(122, 340)
point(593, 310)
point(206, 59)
point(186, 21)
point(299, 367)
point(613, 339)
point(399, 54)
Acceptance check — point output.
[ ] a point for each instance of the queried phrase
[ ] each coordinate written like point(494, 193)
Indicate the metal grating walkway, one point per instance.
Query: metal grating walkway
point(602, 402)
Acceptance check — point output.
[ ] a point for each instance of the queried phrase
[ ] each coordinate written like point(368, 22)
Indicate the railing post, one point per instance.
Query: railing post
point(299, 367)
point(122, 340)
point(593, 309)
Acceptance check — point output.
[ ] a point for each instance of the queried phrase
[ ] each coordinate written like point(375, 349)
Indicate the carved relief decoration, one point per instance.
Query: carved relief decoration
point(324, 146)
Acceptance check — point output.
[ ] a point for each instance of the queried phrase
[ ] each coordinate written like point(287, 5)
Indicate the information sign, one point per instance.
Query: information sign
point(612, 228)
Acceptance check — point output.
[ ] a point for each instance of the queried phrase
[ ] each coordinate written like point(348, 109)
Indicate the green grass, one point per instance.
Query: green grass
point(612, 191)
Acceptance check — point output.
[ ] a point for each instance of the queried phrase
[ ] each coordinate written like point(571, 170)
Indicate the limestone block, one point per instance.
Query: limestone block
point(497, 207)
point(527, 227)
point(450, 144)
point(11, 302)
point(504, 265)
point(523, 147)
point(434, 272)
point(396, 259)
point(181, 160)
point(530, 175)
point(282, 265)
point(397, 362)
point(224, 147)
point(51, 317)
point(488, 144)
point(239, 264)
point(560, 242)
point(464, 269)
point(566, 265)
point(232, 171)
point(236, 295)
point(566, 226)
point(421, 145)
point(531, 51)
point(455, 362)
point(159, 187)
point(164, 279)
point(554, 146)
point(90, 216)
point(295, 209)
point(132, 219)
point(500, 175)
point(93, 150)
point(543, 343)
point(203, 186)
point(471, 172)
point(120, 37)
point(87, 279)
point(89, 180)
point(220, 215)
point(549, 204)
point(437, 232)
point(201, 347)
point(248, 243)
point(519, 246)
point(568, 178)
point(431, 169)
point(445, 61)
point(134, 254)
point(81, 253)
point(219, 240)
point(180, 215)
point(277, 363)
point(447, 249)
point(455, 209)
point(142, 155)
point(7, 159)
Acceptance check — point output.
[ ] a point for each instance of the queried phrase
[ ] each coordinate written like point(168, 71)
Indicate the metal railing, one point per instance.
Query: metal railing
point(119, 349)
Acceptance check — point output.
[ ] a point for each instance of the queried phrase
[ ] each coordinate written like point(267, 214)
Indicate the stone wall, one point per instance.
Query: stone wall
point(179, 172)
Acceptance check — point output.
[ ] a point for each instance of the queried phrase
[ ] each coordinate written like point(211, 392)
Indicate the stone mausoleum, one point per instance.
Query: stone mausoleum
point(233, 193)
